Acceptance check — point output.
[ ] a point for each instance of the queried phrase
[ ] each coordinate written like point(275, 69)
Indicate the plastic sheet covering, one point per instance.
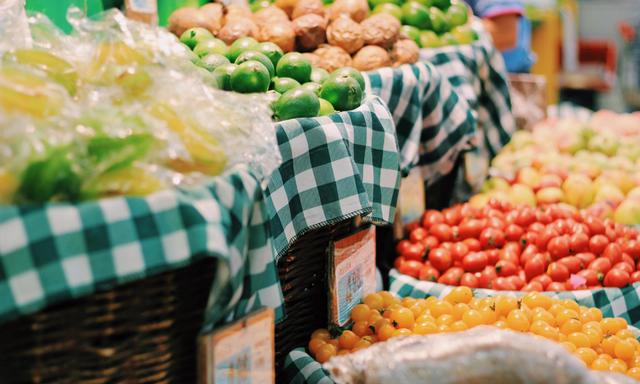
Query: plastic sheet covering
point(480, 355)
point(14, 30)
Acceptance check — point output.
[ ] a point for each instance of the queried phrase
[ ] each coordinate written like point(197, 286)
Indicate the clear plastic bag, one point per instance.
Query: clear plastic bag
point(14, 29)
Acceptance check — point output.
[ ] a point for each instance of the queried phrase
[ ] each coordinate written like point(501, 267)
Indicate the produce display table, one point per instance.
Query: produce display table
point(333, 168)
point(434, 124)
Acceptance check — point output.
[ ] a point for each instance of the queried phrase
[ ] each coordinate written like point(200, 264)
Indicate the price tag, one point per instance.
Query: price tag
point(352, 273)
point(411, 201)
point(145, 11)
point(239, 353)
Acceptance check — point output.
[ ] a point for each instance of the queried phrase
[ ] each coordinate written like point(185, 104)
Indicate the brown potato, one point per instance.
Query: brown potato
point(346, 34)
point(269, 15)
point(310, 31)
point(332, 58)
point(185, 18)
point(236, 28)
point(306, 7)
point(286, 5)
point(381, 29)
point(237, 10)
point(405, 51)
point(280, 33)
point(371, 57)
point(355, 9)
point(314, 59)
point(215, 15)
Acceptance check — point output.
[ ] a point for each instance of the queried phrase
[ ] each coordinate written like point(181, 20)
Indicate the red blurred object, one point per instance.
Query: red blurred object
point(627, 31)
point(597, 61)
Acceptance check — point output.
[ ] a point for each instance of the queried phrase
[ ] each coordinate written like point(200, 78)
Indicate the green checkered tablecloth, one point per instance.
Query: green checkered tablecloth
point(57, 251)
point(478, 73)
point(333, 168)
point(433, 123)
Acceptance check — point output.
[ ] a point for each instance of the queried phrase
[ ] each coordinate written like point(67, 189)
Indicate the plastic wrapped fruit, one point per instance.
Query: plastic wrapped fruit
point(22, 91)
point(280, 33)
point(346, 34)
point(371, 57)
point(332, 58)
point(236, 28)
point(405, 51)
point(381, 29)
point(56, 68)
point(306, 7)
point(310, 31)
point(355, 9)
point(185, 18)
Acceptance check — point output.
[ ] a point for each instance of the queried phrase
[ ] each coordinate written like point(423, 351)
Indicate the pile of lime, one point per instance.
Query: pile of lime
point(430, 23)
point(297, 89)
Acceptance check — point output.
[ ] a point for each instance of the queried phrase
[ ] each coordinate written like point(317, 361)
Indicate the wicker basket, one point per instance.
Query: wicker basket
point(303, 276)
point(139, 332)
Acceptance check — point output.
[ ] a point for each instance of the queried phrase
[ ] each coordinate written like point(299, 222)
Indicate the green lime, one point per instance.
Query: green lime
point(426, 3)
point(250, 77)
point(442, 4)
point(463, 34)
point(343, 92)
point(439, 22)
point(258, 5)
point(351, 72)
point(272, 51)
point(392, 9)
point(327, 2)
point(319, 75)
point(416, 15)
point(325, 108)
point(297, 103)
point(449, 39)
point(194, 36)
point(272, 97)
point(213, 61)
point(284, 84)
point(223, 75)
point(257, 56)
point(411, 32)
point(457, 15)
point(295, 66)
point(241, 45)
point(210, 46)
point(314, 87)
point(375, 3)
point(429, 39)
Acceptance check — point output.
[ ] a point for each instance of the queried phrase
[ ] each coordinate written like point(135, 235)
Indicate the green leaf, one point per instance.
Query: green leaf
point(109, 154)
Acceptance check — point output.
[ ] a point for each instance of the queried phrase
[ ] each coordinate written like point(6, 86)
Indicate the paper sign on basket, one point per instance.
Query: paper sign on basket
point(352, 273)
point(242, 352)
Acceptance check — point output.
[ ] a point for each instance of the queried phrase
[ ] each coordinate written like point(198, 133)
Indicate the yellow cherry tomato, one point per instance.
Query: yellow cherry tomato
point(518, 321)
point(460, 295)
point(587, 355)
point(374, 301)
point(473, 318)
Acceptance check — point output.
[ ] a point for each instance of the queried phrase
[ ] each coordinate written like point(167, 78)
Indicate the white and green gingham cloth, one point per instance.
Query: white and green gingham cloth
point(333, 168)
point(434, 124)
point(58, 251)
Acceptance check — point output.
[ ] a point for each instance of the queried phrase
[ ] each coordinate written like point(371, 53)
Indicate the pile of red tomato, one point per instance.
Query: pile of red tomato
point(506, 247)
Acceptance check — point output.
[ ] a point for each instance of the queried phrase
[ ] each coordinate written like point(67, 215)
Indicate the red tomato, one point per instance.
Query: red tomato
point(586, 257)
point(452, 276)
point(431, 242)
point(411, 226)
point(493, 255)
point(470, 229)
point(545, 236)
point(513, 232)
point(635, 277)
point(558, 247)
point(475, 262)
point(513, 246)
point(503, 284)
point(556, 286)
point(402, 246)
point(597, 244)
point(398, 262)
point(525, 217)
point(469, 280)
point(579, 242)
point(581, 228)
point(495, 222)
point(545, 280)
point(617, 278)
point(492, 238)
point(632, 247)
point(452, 216)
point(624, 266)
point(601, 264)
point(536, 227)
point(543, 217)
point(459, 251)
point(534, 267)
point(506, 268)
point(573, 264)
point(530, 238)
point(592, 277)
point(613, 252)
point(611, 234)
point(442, 232)
point(530, 251)
point(418, 235)
point(562, 226)
point(440, 259)
point(431, 217)
point(467, 210)
point(629, 260)
point(447, 245)
point(415, 252)
point(487, 276)
point(509, 255)
point(516, 281)
point(473, 244)
point(534, 286)
point(428, 273)
point(596, 226)
point(411, 268)
point(558, 272)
